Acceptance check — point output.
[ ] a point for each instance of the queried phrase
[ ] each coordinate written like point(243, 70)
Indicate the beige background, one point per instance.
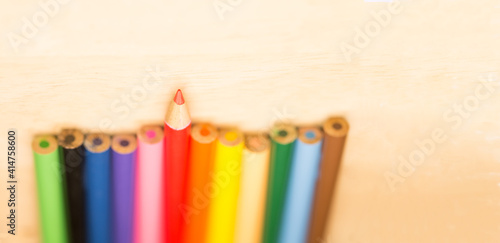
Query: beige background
point(278, 60)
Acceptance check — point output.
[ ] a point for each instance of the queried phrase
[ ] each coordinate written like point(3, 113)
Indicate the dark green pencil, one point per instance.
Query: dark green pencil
point(282, 143)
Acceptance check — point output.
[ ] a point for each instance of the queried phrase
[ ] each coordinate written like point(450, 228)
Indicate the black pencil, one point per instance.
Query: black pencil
point(73, 161)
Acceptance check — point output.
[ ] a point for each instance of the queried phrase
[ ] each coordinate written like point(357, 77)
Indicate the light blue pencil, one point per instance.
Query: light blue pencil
point(300, 190)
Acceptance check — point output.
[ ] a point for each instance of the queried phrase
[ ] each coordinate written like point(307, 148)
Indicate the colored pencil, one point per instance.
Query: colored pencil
point(148, 196)
point(123, 169)
point(201, 157)
point(226, 180)
point(177, 129)
point(282, 144)
point(50, 186)
point(300, 191)
point(98, 187)
point(335, 129)
point(73, 161)
point(252, 200)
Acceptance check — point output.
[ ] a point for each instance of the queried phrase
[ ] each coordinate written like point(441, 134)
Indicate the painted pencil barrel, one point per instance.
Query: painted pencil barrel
point(98, 188)
point(226, 184)
point(300, 192)
point(202, 152)
point(177, 130)
point(73, 162)
point(148, 195)
point(123, 168)
point(282, 144)
point(335, 130)
point(252, 200)
point(50, 186)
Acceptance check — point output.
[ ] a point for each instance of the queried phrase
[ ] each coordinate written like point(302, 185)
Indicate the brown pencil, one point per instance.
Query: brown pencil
point(335, 129)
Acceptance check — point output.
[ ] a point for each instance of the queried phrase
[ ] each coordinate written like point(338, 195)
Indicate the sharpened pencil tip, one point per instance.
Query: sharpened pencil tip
point(179, 99)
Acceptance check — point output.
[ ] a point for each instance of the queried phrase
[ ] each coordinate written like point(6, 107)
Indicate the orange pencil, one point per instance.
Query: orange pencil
point(201, 157)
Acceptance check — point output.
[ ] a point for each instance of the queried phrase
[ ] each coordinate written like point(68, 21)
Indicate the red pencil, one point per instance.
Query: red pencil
point(177, 129)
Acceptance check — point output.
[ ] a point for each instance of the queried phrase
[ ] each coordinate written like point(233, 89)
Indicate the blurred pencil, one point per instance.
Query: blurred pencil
point(282, 144)
point(123, 168)
point(98, 187)
point(202, 151)
point(50, 187)
point(300, 189)
point(148, 186)
point(226, 180)
point(335, 129)
point(73, 161)
point(252, 199)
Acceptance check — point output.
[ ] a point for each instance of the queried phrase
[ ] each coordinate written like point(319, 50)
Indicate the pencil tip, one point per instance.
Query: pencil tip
point(179, 99)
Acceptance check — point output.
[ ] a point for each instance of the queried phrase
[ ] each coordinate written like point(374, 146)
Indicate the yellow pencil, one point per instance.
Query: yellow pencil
point(225, 186)
point(252, 199)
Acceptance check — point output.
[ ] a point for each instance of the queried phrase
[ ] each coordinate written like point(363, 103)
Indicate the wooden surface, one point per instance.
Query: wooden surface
point(269, 61)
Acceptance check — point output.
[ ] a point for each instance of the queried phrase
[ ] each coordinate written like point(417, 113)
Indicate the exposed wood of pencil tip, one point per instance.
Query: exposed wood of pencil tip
point(151, 134)
point(283, 133)
point(310, 135)
point(44, 144)
point(204, 133)
point(257, 142)
point(124, 143)
point(97, 142)
point(177, 116)
point(336, 127)
point(70, 138)
point(230, 136)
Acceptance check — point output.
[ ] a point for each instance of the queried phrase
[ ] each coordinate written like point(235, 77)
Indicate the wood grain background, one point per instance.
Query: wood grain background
point(112, 66)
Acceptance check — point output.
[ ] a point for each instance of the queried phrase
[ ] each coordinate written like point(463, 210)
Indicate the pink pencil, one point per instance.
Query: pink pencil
point(149, 169)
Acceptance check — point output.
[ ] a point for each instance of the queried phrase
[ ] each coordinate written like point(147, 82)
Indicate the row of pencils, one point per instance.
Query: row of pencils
point(184, 183)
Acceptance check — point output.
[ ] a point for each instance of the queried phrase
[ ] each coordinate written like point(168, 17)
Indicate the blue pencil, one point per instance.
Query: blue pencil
point(300, 190)
point(97, 183)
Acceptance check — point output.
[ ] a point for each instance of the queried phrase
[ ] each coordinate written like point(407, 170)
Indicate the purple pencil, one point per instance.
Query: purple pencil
point(123, 161)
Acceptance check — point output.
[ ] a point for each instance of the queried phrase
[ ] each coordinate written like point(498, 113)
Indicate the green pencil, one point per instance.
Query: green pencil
point(49, 179)
point(282, 143)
